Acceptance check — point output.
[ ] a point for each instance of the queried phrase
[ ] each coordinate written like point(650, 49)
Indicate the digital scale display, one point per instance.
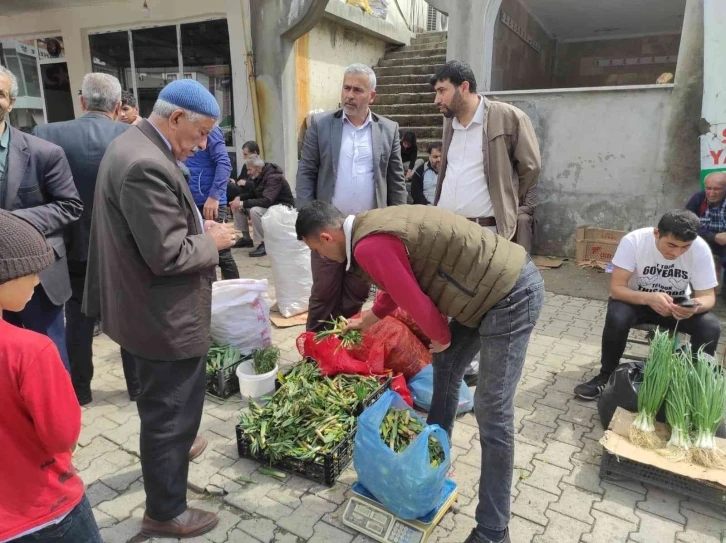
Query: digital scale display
point(379, 524)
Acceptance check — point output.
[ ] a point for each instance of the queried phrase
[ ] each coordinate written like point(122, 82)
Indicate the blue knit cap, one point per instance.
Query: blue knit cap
point(191, 95)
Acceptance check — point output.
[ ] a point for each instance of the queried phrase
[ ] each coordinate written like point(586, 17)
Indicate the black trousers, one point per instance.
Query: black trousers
point(170, 409)
point(79, 338)
point(704, 329)
point(226, 262)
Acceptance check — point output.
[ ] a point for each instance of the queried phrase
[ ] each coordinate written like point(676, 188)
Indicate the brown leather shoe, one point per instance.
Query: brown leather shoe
point(190, 523)
point(200, 443)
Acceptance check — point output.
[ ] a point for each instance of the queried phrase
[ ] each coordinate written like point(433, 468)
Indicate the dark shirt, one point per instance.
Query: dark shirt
point(408, 157)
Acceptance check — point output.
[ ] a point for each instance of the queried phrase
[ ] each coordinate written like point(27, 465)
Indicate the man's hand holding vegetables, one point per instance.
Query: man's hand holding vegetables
point(369, 318)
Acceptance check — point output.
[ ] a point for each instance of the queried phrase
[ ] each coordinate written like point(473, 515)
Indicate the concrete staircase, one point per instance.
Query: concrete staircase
point(403, 91)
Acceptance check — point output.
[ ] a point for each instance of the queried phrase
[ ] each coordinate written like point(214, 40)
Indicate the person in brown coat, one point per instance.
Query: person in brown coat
point(150, 272)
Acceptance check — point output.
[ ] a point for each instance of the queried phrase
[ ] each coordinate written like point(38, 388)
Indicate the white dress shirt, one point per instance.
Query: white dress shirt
point(355, 188)
point(465, 190)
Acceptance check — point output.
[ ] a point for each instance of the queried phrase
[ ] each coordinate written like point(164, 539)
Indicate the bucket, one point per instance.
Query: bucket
point(252, 385)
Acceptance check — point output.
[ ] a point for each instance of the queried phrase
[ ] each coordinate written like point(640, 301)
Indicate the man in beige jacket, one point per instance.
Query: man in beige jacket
point(484, 183)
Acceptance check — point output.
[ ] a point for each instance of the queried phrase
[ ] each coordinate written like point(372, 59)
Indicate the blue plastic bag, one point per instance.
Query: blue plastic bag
point(406, 484)
point(421, 386)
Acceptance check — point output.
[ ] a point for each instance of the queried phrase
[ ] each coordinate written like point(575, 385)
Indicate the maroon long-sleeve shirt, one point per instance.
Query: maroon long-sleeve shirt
point(384, 258)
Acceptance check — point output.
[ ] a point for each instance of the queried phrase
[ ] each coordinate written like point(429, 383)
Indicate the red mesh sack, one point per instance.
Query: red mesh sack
point(403, 352)
point(333, 359)
point(406, 319)
point(398, 384)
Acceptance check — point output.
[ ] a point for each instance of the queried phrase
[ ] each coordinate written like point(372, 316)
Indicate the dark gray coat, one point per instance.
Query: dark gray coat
point(318, 166)
point(40, 189)
point(84, 141)
point(150, 266)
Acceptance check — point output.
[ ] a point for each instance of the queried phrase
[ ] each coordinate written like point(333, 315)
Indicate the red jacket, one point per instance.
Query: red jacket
point(40, 420)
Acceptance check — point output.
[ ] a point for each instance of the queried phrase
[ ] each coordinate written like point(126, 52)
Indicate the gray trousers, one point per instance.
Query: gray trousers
point(242, 224)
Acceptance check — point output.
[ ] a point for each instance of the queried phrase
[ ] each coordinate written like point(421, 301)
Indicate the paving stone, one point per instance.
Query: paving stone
point(579, 414)
point(576, 503)
point(654, 528)
point(558, 454)
point(463, 434)
point(325, 533)
point(563, 384)
point(227, 522)
point(121, 479)
point(262, 529)
point(286, 496)
point(523, 454)
point(525, 400)
point(98, 446)
point(97, 410)
point(243, 467)
point(591, 452)
point(239, 535)
point(628, 484)
point(337, 494)
point(562, 529)
point(545, 477)
point(253, 497)
point(662, 503)
point(533, 433)
point(302, 521)
point(123, 433)
point(124, 414)
point(123, 505)
point(97, 469)
point(125, 530)
point(523, 530)
point(466, 477)
point(335, 519)
point(619, 502)
point(535, 386)
point(701, 529)
point(608, 529)
point(546, 416)
point(200, 474)
point(568, 433)
point(463, 526)
point(702, 508)
point(228, 448)
point(586, 477)
point(99, 492)
point(285, 537)
point(531, 504)
point(97, 427)
point(102, 519)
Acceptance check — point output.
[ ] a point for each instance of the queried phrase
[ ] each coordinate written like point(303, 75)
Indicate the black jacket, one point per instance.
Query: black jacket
point(408, 157)
point(699, 205)
point(84, 142)
point(268, 189)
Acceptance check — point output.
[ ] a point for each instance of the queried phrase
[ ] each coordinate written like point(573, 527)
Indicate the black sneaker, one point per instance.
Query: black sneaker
point(243, 243)
point(593, 388)
point(260, 251)
point(476, 537)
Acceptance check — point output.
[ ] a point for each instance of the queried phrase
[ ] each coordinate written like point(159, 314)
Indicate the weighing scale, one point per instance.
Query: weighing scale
point(366, 514)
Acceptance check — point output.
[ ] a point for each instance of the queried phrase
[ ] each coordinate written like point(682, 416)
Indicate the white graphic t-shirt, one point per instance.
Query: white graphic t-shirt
point(652, 272)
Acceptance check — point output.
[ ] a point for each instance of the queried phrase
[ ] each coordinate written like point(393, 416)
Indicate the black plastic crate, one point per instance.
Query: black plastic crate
point(323, 469)
point(223, 383)
point(614, 468)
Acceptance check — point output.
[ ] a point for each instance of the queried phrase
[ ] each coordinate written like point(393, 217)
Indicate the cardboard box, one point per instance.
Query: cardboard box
point(596, 245)
point(617, 442)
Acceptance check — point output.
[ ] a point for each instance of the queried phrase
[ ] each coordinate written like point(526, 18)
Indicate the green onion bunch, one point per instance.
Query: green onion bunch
point(678, 406)
point(707, 395)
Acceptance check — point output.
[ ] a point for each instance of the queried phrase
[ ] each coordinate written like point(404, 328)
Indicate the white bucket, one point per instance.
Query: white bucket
point(252, 385)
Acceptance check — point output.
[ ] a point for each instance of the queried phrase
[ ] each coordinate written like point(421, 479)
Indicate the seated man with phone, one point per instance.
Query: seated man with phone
point(663, 276)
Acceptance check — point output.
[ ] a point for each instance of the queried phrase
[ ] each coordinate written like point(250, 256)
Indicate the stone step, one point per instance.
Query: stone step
point(426, 69)
point(431, 37)
point(422, 120)
point(401, 79)
point(416, 53)
point(420, 47)
point(404, 98)
point(405, 89)
point(389, 62)
point(432, 34)
point(423, 108)
point(424, 132)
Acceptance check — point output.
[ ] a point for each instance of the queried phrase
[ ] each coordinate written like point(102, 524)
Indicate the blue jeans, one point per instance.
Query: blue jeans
point(502, 338)
point(43, 316)
point(79, 526)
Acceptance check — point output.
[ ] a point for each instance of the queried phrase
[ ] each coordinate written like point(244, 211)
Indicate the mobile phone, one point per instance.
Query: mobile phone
point(684, 301)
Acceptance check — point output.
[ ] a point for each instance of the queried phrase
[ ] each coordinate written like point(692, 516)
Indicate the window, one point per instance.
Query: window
point(148, 59)
point(540, 44)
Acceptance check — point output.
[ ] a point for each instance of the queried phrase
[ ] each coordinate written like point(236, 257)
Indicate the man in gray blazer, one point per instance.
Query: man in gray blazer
point(84, 141)
point(36, 184)
point(352, 159)
point(150, 271)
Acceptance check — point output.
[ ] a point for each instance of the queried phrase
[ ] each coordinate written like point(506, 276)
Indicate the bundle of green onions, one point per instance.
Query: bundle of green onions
point(348, 340)
point(707, 395)
point(678, 408)
point(265, 360)
point(653, 390)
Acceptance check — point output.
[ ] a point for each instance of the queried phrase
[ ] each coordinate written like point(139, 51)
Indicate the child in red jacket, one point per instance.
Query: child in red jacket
point(41, 496)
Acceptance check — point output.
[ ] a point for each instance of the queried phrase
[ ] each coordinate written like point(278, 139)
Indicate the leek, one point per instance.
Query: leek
point(707, 394)
point(653, 390)
point(678, 407)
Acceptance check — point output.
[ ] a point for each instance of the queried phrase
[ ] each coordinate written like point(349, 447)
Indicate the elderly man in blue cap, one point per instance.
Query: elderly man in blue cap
point(150, 272)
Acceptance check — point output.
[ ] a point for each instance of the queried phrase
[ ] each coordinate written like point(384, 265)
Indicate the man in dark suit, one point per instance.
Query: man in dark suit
point(85, 141)
point(150, 271)
point(352, 159)
point(36, 184)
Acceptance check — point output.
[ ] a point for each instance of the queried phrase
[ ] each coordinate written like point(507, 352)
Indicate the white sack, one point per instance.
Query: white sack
point(241, 314)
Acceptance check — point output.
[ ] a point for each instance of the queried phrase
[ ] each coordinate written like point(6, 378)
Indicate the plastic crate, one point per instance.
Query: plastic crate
point(223, 383)
point(614, 467)
point(324, 468)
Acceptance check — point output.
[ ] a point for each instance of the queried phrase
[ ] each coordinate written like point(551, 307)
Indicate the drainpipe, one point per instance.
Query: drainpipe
point(252, 79)
point(713, 113)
